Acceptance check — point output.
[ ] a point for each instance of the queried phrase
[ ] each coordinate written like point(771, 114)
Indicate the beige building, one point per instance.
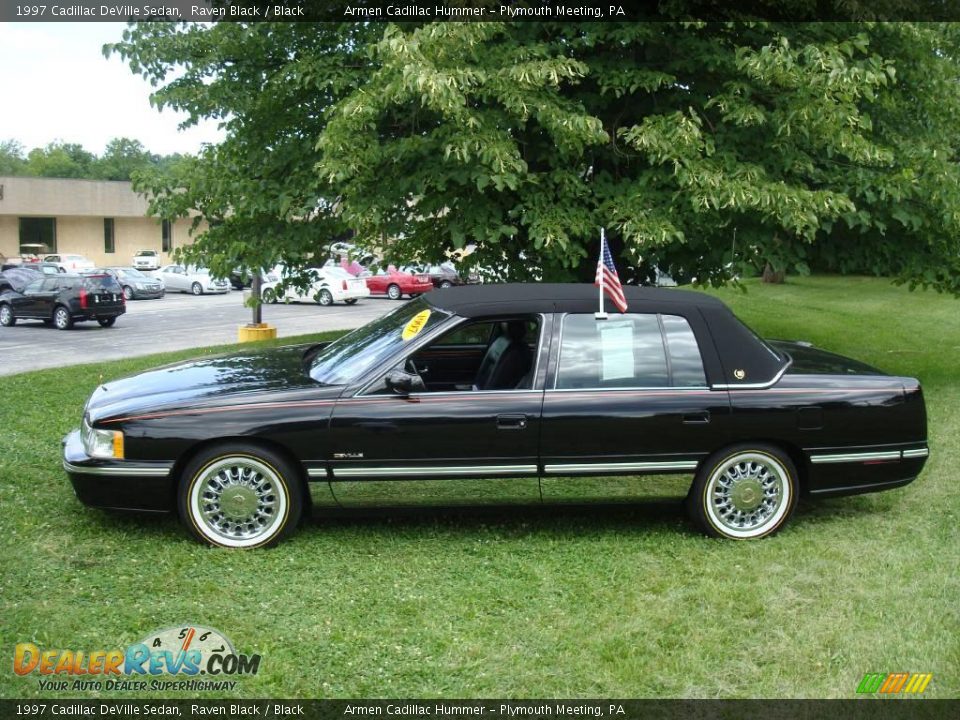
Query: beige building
point(104, 220)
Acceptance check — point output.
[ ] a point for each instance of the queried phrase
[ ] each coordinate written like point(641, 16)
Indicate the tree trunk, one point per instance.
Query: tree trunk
point(772, 276)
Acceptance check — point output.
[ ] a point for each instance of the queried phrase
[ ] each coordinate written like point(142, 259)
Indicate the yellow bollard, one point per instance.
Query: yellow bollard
point(252, 333)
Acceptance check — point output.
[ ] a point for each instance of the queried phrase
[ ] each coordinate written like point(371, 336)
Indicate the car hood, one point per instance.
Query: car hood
point(808, 360)
point(220, 380)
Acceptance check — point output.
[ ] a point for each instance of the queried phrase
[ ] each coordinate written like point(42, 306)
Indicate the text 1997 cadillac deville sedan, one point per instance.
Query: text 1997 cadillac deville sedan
point(500, 393)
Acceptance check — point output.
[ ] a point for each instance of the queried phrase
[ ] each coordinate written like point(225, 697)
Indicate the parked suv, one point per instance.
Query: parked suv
point(62, 300)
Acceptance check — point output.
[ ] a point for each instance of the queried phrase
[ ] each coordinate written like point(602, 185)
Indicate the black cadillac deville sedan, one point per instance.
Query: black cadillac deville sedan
point(501, 393)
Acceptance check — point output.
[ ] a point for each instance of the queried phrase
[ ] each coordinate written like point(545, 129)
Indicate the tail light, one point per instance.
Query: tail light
point(344, 284)
point(83, 298)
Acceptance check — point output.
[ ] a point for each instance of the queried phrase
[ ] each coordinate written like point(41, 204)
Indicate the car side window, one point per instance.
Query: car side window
point(482, 355)
point(468, 334)
point(33, 286)
point(686, 365)
point(633, 350)
point(49, 284)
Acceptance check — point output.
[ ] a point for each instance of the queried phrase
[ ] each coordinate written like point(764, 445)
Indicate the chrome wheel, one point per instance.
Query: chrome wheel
point(748, 494)
point(128, 292)
point(62, 319)
point(238, 501)
point(394, 292)
point(325, 298)
point(6, 315)
point(196, 289)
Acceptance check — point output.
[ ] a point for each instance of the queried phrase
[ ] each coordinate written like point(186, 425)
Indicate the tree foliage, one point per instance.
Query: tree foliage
point(703, 148)
point(121, 160)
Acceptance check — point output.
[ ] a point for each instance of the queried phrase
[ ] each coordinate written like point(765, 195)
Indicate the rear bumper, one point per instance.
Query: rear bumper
point(852, 471)
point(350, 294)
point(97, 312)
point(117, 484)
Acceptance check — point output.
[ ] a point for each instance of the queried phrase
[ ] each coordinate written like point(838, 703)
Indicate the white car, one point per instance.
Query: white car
point(70, 263)
point(146, 260)
point(331, 284)
point(180, 278)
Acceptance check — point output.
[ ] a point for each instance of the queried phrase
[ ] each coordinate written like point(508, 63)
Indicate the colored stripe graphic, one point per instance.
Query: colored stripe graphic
point(895, 682)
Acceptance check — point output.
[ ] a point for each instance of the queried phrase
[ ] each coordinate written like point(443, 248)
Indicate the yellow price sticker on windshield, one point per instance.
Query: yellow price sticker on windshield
point(416, 324)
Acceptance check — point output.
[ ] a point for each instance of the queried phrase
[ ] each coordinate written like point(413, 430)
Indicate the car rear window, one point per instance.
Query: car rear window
point(101, 283)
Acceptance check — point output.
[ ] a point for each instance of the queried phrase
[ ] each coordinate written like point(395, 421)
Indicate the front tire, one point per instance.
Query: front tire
point(7, 318)
point(106, 321)
point(445, 284)
point(127, 292)
point(196, 289)
point(394, 292)
point(351, 301)
point(745, 491)
point(62, 318)
point(236, 497)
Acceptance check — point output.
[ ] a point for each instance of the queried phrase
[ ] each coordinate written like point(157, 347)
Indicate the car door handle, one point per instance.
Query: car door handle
point(511, 422)
point(700, 418)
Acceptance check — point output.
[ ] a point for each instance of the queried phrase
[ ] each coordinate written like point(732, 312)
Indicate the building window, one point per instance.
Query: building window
point(109, 246)
point(38, 236)
point(166, 231)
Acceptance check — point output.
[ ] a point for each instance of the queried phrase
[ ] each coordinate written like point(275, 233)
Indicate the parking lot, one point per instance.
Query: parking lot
point(175, 322)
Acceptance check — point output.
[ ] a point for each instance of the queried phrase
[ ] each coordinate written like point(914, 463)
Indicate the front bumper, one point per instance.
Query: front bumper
point(148, 294)
point(118, 484)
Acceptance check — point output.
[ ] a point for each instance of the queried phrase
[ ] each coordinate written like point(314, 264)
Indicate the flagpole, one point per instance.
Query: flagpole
point(601, 315)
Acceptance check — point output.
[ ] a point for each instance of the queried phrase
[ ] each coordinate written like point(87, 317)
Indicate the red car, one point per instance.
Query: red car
point(395, 284)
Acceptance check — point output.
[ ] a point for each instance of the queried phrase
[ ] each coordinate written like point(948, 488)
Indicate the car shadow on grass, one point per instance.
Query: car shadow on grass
point(642, 517)
point(617, 518)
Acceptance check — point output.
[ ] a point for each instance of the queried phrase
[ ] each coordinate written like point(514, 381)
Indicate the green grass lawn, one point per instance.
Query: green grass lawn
point(624, 603)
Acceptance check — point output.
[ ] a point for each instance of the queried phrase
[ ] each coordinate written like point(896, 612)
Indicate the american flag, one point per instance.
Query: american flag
point(607, 277)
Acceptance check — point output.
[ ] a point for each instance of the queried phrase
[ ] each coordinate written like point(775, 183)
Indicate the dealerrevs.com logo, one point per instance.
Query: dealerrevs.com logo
point(184, 652)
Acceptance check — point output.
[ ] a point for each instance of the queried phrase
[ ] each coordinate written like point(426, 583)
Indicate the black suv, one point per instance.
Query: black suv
point(62, 300)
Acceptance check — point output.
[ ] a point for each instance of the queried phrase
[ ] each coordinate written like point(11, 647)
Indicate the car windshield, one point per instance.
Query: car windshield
point(349, 357)
point(198, 271)
point(147, 253)
point(130, 272)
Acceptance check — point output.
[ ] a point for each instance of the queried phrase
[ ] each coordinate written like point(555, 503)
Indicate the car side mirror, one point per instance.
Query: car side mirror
point(404, 383)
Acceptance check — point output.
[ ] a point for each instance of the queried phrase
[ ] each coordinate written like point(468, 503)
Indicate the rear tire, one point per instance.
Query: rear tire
point(324, 298)
point(236, 496)
point(745, 491)
point(7, 318)
point(196, 289)
point(62, 318)
point(394, 292)
point(106, 321)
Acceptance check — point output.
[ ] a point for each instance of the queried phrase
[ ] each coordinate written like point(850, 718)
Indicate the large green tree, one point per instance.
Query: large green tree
point(703, 148)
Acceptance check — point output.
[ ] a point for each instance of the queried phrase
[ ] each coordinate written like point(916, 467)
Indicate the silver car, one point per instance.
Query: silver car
point(180, 278)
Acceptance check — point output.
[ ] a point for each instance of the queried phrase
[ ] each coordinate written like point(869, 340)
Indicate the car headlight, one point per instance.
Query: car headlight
point(101, 443)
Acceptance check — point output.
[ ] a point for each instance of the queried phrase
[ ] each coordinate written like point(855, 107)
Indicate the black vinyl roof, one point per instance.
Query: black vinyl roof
point(509, 298)
point(733, 354)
